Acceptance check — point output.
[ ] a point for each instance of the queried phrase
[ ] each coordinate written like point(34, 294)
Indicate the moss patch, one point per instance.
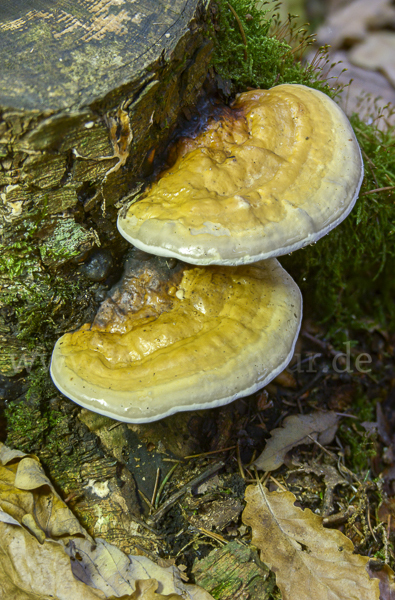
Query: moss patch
point(348, 275)
point(34, 296)
point(254, 49)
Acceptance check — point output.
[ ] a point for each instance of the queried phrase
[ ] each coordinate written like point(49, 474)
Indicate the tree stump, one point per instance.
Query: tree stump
point(90, 90)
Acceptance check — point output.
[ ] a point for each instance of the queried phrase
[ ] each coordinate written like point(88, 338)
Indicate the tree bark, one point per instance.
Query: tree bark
point(90, 91)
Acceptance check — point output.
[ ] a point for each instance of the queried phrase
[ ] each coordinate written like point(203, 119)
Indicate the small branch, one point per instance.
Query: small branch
point(322, 447)
point(280, 485)
point(215, 536)
point(240, 465)
point(144, 497)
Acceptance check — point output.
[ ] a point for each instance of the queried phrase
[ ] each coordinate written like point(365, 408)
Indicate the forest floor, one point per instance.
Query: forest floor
point(350, 481)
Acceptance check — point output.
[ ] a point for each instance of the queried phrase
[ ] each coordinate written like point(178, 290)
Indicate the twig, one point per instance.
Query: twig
point(208, 453)
point(144, 497)
point(316, 377)
point(321, 446)
point(383, 189)
point(211, 534)
point(347, 415)
point(321, 343)
point(243, 35)
point(368, 519)
point(262, 479)
point(185, 488)
point(115, 425)
point(284, 489)
point(143, 524)
point(355, 528)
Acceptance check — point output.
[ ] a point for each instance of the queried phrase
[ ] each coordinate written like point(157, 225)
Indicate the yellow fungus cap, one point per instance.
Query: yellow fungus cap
point(277, 172)
point(169, 340)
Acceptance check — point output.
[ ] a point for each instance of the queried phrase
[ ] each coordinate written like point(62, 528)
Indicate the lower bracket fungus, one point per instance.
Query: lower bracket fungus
point(274, 173)
point(182, 338)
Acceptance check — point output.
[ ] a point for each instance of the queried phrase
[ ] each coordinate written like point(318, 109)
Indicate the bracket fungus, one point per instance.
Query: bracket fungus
point(278, 173)
point(169, 340)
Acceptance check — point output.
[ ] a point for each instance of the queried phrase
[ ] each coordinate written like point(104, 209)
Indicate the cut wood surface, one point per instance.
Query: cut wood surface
point(68, 53)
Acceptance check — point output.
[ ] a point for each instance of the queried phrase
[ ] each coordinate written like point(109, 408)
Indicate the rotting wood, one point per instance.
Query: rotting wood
point(89, 91)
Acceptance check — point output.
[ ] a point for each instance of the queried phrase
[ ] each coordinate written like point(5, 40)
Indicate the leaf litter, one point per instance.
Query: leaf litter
point(308, 560)
point(297, 430)
point(45, 552)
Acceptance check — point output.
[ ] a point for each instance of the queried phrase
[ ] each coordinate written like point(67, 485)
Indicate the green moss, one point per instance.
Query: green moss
point(30, 420)
point(348, 275)
point(33, 291)
point(360, 444)
point(30, 423)
point(252, 49)
point(220, 590)
point(64, 243)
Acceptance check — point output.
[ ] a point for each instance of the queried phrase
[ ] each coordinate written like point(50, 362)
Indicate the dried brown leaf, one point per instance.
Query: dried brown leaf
point(310, 562)
point(107, 568)
point(385, 577)
point(34, 565)
point(146, 590)
point(33, 571)
point(27, 495)
point(295, 431)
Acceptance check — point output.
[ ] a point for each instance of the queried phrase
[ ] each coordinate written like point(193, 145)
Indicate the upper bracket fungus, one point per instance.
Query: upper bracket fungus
point(182, 338)
point(279, 172)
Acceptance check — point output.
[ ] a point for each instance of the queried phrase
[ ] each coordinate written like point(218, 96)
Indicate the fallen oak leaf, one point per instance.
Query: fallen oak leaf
point(34, 566)
point(295, 431)
point(107, 568)
point(28, 496)
point(310, 562)
point(30, 570)
point(33, 571)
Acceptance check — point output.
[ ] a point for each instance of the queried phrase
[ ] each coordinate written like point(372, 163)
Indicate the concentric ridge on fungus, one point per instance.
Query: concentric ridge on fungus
point(282, 171)
point(169, 340)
